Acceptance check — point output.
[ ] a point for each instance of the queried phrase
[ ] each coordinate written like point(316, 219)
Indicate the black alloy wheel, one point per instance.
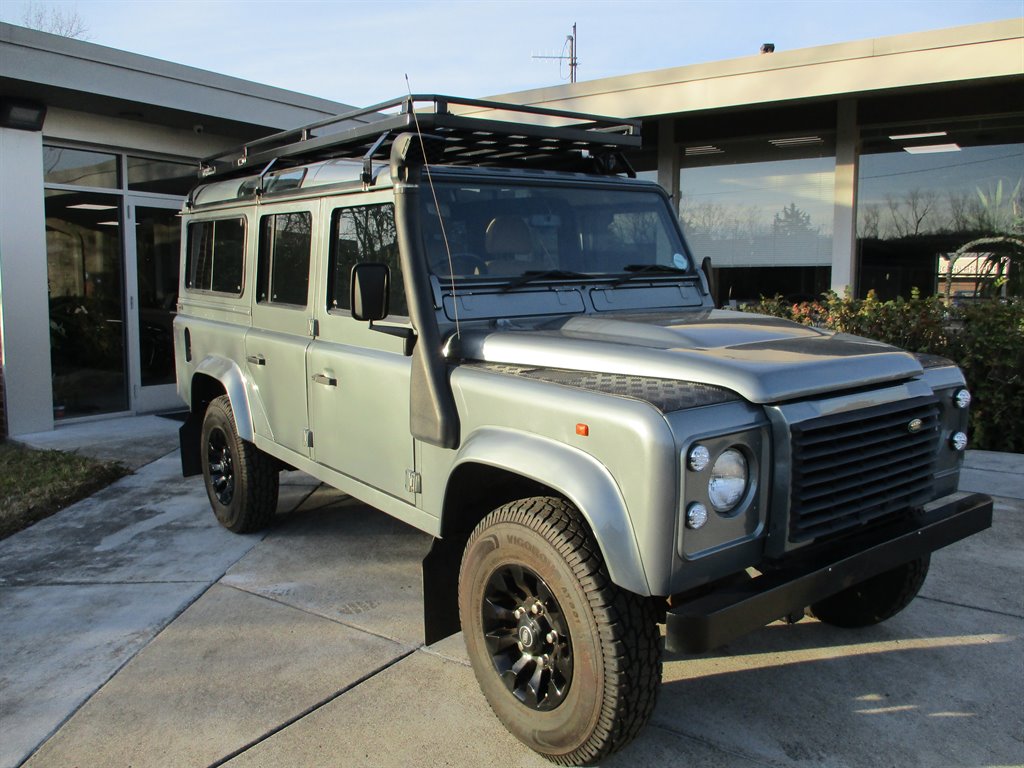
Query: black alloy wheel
point(528, 637)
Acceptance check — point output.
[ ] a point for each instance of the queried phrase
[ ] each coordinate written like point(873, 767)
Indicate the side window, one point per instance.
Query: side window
point(215, 256)
point(283, 275)
point(364, 233)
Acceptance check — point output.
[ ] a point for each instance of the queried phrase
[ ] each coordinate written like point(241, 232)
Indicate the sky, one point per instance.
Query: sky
point(360, 53)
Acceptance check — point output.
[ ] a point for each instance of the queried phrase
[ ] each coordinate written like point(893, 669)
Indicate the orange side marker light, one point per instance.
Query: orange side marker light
point(582, 430)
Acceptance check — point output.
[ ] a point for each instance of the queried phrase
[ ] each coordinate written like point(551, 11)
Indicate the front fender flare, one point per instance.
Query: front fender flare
point(581, 478)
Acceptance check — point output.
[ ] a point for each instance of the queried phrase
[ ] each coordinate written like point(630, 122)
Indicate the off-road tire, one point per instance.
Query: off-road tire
point(610, 635)
point(241, 481)
point(876, 599)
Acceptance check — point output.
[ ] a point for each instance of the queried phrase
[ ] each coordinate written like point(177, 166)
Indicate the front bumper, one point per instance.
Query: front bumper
point(713, 619)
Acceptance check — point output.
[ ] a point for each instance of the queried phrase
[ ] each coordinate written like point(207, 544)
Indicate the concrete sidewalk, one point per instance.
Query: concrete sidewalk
point(137, 632)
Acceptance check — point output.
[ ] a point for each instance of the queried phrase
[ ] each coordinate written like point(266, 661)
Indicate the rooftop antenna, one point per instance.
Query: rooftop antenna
point(570, 43)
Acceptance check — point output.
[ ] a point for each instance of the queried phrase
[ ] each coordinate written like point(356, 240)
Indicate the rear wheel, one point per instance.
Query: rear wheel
point(876, 599)
point(241, 480)
point(569, 662)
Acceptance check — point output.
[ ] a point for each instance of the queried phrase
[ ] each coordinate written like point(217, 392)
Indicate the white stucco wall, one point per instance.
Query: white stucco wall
point(25, 318)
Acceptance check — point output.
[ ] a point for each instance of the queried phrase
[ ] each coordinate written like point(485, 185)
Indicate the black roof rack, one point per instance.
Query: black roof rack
point(478, 133)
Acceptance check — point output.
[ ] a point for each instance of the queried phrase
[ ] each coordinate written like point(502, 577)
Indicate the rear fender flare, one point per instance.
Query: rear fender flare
point(233, 380)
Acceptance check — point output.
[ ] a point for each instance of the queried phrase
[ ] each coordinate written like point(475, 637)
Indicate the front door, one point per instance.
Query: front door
point(358, 376)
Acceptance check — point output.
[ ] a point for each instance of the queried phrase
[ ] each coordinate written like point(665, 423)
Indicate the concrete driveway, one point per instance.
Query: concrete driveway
point(136, 632)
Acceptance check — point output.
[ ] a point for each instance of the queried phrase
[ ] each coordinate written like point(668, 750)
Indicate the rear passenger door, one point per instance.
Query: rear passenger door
point(276, 344)
point(359, 377)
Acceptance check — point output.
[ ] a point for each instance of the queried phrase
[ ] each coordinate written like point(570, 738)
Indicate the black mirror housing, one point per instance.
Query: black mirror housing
point(370, 283)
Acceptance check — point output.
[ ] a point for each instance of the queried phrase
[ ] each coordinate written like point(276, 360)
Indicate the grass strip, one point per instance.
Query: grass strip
point(35, 484)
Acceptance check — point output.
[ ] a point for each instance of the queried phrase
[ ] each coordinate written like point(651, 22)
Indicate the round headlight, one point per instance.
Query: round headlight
point(962, 398)
point(728, 480)
point(699, 458)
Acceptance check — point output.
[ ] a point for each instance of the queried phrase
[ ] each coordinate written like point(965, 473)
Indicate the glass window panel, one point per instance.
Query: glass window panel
point(80, 168)
point(285, 244)
point(161, 176)
point(84, 269)
point(216, 256)
point(916, 209)
point(364, 233)
point(760, 214)
point(157, 238)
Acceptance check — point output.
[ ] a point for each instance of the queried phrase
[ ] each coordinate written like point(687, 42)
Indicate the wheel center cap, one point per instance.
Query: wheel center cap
point(526, 636)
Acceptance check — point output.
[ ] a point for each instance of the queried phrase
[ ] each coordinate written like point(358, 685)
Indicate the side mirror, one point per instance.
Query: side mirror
point(369, 294)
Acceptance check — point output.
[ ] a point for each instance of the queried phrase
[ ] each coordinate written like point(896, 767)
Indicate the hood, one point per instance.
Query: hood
point(763, 359)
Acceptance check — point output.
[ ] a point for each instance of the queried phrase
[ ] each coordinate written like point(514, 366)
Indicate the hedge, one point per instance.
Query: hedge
point(985, 338)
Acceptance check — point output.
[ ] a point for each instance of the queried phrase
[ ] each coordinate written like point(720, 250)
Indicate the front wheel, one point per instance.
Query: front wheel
point(241, 480)
point(569, 662)
point(876, 599)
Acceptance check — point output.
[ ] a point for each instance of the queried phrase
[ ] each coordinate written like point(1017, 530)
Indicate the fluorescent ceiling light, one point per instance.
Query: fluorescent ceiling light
point(109, 223)
point(932, 135)
point(93, 207)
point(798, 141)
point(706, 149)
point(929, 149)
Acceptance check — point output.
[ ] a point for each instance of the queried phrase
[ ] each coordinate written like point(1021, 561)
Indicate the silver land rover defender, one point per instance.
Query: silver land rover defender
point(474, 317)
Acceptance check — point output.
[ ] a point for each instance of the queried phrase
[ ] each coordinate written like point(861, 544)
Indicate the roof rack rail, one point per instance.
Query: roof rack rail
point(472, 132)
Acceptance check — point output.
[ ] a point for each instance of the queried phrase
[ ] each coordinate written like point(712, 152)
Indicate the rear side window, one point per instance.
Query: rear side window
point(285, 243)
point(215, 259)
point(364, 233)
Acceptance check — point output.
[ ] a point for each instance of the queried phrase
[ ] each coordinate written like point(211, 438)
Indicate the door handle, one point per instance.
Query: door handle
point(327, 381)
point(257, 359)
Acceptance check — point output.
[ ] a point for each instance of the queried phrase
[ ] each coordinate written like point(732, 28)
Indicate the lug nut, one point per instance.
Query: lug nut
point(536, 609)
point(518, 613)
point(551, 637)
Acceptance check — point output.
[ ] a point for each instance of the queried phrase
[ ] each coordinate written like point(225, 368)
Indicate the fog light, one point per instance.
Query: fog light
point(962, 398)
point(698, 458)
point(696, 516)
point(958, 441)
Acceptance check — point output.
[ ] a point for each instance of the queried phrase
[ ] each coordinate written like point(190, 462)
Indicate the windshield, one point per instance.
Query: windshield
point(511, 230)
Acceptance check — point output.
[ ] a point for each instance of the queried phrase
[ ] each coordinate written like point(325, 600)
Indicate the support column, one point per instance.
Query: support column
point(844, 237)
point(668, 159)
point(24, 304)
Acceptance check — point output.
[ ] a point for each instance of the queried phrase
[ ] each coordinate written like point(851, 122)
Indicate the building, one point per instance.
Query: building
point(97, 149)
point(867, 164)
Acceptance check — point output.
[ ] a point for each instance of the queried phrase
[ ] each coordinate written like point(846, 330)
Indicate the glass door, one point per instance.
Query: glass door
point(152, 250)
point(87, 312)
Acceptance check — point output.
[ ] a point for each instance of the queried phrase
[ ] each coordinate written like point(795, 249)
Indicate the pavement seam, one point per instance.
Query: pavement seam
point(333, 619)
point(310, 710)
point(718, 747)
point(971, 607)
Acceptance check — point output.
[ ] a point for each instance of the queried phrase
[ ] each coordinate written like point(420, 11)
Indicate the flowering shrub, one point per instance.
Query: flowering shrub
point(986, 339)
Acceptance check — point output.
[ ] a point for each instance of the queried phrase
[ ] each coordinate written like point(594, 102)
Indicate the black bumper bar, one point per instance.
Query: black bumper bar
point(716, 618)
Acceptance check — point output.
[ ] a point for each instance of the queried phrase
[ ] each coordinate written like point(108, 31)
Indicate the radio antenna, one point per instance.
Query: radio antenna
point(437, 207)
point(570, 43)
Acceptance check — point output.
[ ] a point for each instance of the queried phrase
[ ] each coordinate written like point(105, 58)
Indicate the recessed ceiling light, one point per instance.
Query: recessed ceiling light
point(929, 149)
point(902, 136)
point(93, 207)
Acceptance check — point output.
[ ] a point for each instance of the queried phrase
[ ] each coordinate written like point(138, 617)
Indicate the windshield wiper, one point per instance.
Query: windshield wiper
point(639, 270)
point(535, 275)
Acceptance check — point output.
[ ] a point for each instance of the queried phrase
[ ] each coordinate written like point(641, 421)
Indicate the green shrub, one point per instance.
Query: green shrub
point(986, 339)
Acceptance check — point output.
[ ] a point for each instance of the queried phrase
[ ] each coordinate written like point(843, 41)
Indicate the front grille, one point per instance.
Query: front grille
point(854, 468)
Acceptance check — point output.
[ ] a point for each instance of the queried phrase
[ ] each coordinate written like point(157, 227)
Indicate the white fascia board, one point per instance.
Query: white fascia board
point(37, 57)
point(977, 52)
